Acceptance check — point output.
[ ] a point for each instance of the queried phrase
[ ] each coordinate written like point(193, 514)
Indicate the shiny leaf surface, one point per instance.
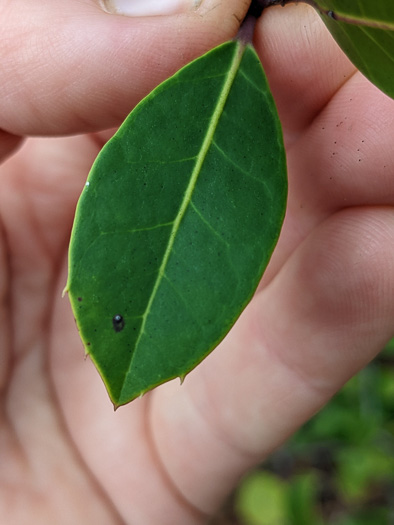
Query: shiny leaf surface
point(177, 222)
point(365, 31)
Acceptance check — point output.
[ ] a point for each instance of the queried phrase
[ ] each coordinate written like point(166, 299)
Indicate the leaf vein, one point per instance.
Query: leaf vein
point(250, 81)
point(239, 168)
point(208, 224)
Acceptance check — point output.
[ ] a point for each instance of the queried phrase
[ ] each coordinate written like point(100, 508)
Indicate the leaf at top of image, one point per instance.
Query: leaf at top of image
point(365, 31)
point(177, 222)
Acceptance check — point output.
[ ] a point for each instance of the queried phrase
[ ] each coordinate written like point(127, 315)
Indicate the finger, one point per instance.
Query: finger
point(71, 66)
point(39, 186)
point(304, 65)
point(325, 315)
point(38, 189)
point(345, 158)
point(5, 332)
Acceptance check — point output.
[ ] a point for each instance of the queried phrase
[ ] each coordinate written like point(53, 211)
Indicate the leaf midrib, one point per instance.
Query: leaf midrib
point(365, 22)
point(190, 188)
point(354, 19)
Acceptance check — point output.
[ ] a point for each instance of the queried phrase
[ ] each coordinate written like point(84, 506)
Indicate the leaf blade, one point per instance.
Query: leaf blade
point(180, 233)
point(365, 32)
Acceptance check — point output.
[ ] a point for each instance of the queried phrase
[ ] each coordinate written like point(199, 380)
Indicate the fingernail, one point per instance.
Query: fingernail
point(148, 7)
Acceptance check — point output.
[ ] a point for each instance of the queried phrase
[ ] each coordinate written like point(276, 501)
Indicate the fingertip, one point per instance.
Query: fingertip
point(87, 69)
point(304, 65)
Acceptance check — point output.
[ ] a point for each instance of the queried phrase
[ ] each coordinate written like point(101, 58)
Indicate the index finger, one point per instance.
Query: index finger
point(71, 67)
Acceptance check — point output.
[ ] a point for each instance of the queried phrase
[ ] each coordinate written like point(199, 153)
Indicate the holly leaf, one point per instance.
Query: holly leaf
point(365, 31)
point(177, 222)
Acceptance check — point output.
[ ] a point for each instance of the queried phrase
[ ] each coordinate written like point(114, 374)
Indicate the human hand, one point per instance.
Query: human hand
point(323, 310)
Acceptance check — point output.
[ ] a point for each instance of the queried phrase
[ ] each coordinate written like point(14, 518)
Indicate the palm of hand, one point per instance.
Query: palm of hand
point(322, 312)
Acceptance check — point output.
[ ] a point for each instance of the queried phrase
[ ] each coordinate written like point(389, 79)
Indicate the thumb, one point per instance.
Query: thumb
point(77, 66)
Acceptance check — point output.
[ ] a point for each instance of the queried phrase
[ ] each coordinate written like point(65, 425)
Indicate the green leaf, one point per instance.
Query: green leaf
point(302, 499)
point(360, 468)
point(365, 31)
point(177, 222)
point(262, 499)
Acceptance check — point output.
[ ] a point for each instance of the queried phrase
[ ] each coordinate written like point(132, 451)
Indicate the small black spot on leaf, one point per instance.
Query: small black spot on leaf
point(118, 323)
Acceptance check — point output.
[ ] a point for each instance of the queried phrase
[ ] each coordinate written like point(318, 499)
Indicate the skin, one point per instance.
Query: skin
point(324, 308)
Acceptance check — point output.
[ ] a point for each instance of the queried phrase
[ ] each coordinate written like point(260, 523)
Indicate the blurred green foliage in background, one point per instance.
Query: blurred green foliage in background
point(339, 467)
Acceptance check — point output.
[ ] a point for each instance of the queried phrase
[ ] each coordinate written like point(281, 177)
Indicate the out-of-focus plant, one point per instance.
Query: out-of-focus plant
point(339, 468)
